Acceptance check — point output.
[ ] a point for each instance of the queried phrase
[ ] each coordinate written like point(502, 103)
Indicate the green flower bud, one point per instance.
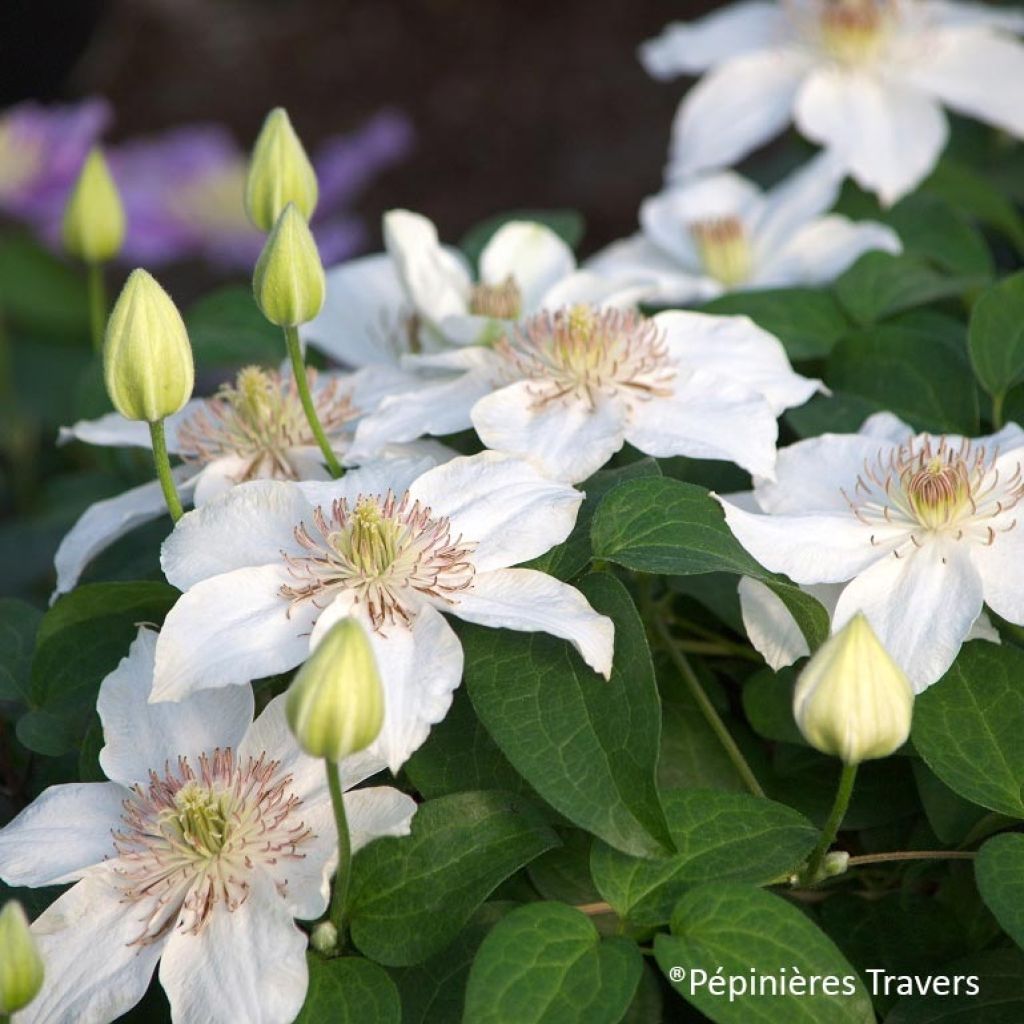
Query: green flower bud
point(21, 966)
point(289, 280)
point(852, 700)
point(324, 938)
point(335, 704)
point(94, 216)
point(147, 359)
point(279, 173)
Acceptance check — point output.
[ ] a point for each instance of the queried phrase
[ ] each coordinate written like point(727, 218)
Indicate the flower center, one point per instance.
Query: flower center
point(502, 301)
point(853, 31)
point(261, 420)
point(191, 839)
point(384, 549)
point(927, 487)
point(724, 249)
point(586, 351)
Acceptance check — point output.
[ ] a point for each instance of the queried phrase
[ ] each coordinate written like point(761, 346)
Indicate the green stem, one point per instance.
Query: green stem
point(291, 336)
point(712, 717)
point(883, 858)
point(339, 901)
point(97, 305)
point(163, 469)
point(835, 819)
point(997, 409)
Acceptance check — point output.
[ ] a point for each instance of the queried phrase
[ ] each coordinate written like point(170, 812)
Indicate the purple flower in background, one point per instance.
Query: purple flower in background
point(183, 191)
point(41, 152)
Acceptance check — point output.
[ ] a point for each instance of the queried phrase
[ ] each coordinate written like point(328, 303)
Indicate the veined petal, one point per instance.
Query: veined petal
point(734, 109)
point(691, 47)
point(707, 417)
point(61, 834)
point(501, 504)
point(564, 436)
point(887, 133)
point(245, 965)
point(531, 602)
point(531, 254)
point(922, 606)
point(638, 256)
point(141, 737)
point(94, 974)
point(230, 629)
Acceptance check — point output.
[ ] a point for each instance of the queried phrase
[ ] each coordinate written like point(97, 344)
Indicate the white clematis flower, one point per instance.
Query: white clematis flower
point(918, 530)
point(867, 79)
point(255, 429)
point(213, 834)
point(269, 567)
point(720, 233)
point(566, 390)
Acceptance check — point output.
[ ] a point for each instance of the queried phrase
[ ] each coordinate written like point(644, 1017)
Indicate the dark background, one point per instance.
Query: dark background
point(515, 104)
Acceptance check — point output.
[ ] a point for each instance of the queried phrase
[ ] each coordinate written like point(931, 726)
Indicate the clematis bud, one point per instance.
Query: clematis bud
point(335, 704)
point(279, 173)
point(21, 967)
point(852, 700)
point(147, 359)
point(289, 280)
point(324, 938)
point(94, 216)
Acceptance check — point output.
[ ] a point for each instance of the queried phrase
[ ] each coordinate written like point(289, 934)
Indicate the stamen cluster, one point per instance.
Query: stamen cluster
point(502, 301)
point(724, 249)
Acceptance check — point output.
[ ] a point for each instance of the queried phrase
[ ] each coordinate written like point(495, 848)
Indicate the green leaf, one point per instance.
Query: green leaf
point(969, 727)
point(691, 754)
point(880, 285)
point(226, 328)
point(996, 335)
point(916, 367)
point(349, 990)
point(932, 229)
point(807, 321)
point(951, 817)
point(969, 191)
point(81, 639)
point(411, 895)
point(677, 529)
point(839, 413)
point(18, 624)
point(567, 224)
point(40, 292)
point(564, 872)
point(751, 933)
point(587, 745)
point(545, 963)
point(719, 836)
point(572, 556)
point(768, 703)
point(999, 869)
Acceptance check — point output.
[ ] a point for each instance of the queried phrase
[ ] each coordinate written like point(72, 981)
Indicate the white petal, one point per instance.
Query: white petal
point(823, 249)
point(889, 135)
point(248, 525)
point(106, 521)
point(436, 281)
point(501, 504)
point(686, 48)
point(736, 349)
point(667, 218)
point(770, 627)
point(825, 547)
point(364, 319)
point(975, 71)
point(529, 253)
point(64, 831)
point(140, 736)
point(566, 438)
point(638, 256)
point(93, 973)
point(708, 417)
point(531, 602)
point(246, 965)
point(231, 629)
point(886, 426)
point(922, 606)
point(999, 564)
point(378, 811)
point(951, 12)
point(218, 477)
point(378, 477)
point(584, 287)
point(734, 109)
point(111, 430)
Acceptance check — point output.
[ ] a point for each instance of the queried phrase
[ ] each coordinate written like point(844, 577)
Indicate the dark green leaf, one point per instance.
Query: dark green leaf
point(996, 335)
point(40, 292)
point(349, 990)
point(930, 228)
point(999, 870)
point(838, 413)
point(969, 191)
point(564, 872)
point(226, 328)
point(18, 624)
point(768, 702)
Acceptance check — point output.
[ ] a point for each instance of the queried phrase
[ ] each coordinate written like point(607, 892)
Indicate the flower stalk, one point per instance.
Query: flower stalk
point(339, 898)
point(163, 469)
point(844, 791)
point(97, 304)
point(291, 337)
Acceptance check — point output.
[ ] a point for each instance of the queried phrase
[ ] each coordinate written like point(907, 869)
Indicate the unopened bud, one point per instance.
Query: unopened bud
point(279, 173)
point(147, 358)
point(852, 700)
point(324, 938)
point(335, 704)
point(94, 216)
point(21, 966)
point(289, 280)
